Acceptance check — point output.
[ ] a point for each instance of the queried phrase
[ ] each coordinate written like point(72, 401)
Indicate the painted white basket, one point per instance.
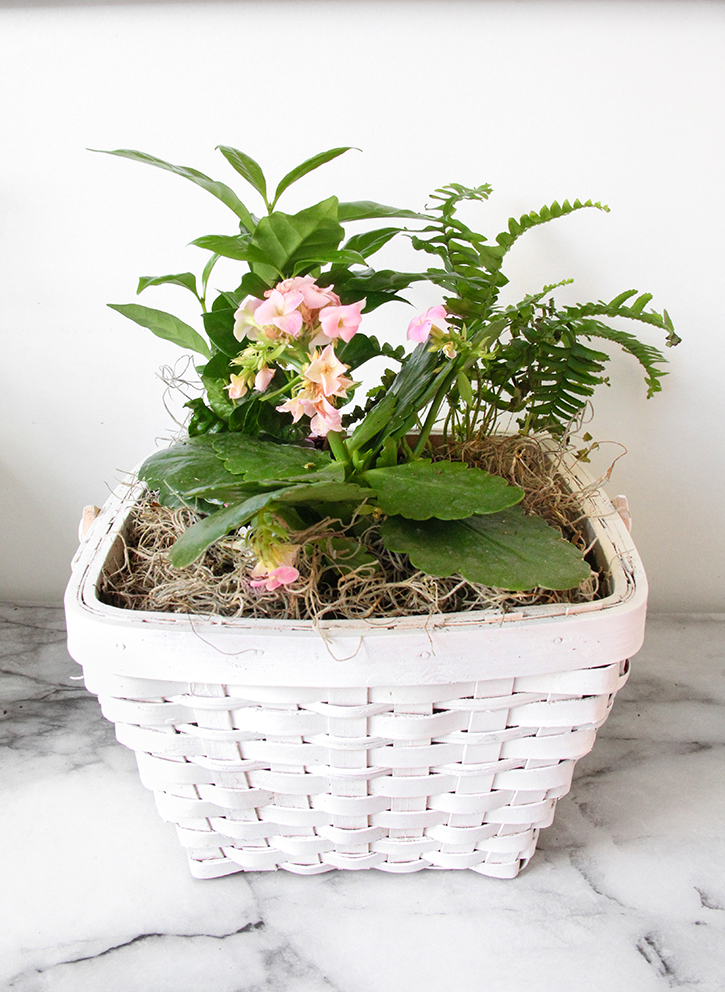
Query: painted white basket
point(421, 742)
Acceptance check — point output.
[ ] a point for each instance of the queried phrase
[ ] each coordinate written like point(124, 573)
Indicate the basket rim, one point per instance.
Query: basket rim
point(446, 647)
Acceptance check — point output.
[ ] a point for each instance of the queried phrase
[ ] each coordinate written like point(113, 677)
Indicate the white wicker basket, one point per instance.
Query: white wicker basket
point(423, 742)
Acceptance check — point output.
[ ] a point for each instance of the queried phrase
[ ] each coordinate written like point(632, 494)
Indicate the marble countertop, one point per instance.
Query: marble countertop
point(626, 892)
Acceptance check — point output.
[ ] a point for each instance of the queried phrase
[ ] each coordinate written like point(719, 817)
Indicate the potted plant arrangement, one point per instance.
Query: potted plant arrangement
point(344, 633)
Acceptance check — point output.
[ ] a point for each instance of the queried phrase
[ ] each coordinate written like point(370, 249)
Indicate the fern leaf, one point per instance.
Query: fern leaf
point(649, 358)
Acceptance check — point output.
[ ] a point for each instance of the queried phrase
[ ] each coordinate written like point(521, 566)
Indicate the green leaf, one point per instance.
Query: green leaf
point(369, 210)
point(219, 325)
point(236, 246)
point(203, 419)
point(217, 367)
point(164, 325)
point(362, 347)
point(254, 417)
point(246, 167)
point(371, 241)
point(190, 470)
point(448, 490)
point(506, 550)
point(307, 166)
point(194, 541)
point(254, 459)
point(218, 396)
point(327, 492)
point(222, 192)
point(283, 238)
point(185, 279)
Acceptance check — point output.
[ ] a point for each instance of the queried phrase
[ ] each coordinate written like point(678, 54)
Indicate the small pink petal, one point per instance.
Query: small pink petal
point(263, 378)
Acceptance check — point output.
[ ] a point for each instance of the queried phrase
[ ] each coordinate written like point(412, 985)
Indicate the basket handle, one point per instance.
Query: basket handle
point(89, 515)
point(621, 505)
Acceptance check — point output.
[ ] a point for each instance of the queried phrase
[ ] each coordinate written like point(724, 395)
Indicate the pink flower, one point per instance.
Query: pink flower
point(283, 575)
point(326, 418)
point(237, 387)
point(341, 322)
point(326, 370)
point(263, 378)
point(244, 320)
point(420, 327)
point(314, 297)
point(299, 406)
point(280, 309)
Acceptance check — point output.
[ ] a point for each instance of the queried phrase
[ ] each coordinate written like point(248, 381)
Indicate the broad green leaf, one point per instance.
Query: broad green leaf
point(448, 490)
point(217, 368)
point(369, 210)
point(219, 325)
point(307, 166)
point(218, 396)
point(236, 246)
point(222, 192)
point(164, 325)
point(371, 241)
point(506, 550)
point(326, 492)
point(185, 279)
point(203, 419)
point(285, 238)
point(341, 257)
point(362, 347)
point(246, 167)
point(194, 541)
point(191, 469)
point(254, 459)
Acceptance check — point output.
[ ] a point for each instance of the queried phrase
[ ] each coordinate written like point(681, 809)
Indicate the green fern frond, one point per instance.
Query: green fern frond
point(648, 356)
point(616, 308)
point(517, 227)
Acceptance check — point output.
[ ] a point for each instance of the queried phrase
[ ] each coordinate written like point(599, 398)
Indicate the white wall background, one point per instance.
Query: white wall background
point(620, 101)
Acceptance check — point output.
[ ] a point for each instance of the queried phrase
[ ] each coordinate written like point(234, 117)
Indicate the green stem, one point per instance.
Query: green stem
point(336, 440)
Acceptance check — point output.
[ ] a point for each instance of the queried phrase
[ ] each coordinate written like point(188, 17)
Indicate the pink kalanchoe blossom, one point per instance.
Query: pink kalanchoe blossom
point(314, 297)
point(341, 322)
point(283, 575)
point(263, 378)
point(326, 418)
point(420, 327)
point(327, 370)
point(237, 387)
point(244, 320)
point(300, 406)
point(280, 310)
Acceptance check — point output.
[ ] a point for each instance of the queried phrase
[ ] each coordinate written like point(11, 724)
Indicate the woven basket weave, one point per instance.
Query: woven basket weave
point(437, 742)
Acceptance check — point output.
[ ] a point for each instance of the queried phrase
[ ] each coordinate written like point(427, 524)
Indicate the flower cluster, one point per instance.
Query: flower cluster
point(287, 327)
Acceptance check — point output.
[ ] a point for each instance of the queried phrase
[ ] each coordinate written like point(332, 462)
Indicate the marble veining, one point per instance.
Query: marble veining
point(626, 892)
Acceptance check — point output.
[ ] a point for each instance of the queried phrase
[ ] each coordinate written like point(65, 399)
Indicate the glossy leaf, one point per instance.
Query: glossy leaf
point(164, 325)
point(219, 325)
point(236, 246)
point(220, 190)
point(420, 490)
point(371, 241)
point(506, 550)
point(307, 166)
point(246, 167)
point(326, 492)
point(254, 459)
point(194, 541)
point(285, 238)
point(369, 210)
point(191, 469)
point(185, 279)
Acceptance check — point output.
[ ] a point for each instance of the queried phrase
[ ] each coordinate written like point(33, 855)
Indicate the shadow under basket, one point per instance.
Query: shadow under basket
point(401, 744)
